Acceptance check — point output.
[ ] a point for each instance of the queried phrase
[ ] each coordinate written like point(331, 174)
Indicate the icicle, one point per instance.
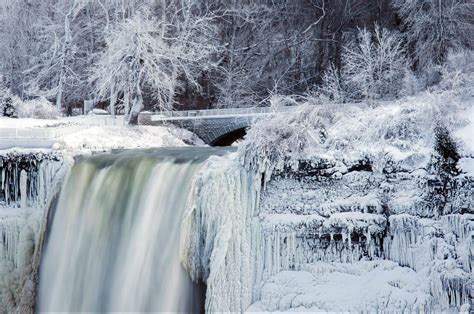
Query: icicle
point(23, 190)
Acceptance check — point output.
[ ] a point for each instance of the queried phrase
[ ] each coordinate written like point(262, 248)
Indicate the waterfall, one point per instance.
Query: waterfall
point(113, 244)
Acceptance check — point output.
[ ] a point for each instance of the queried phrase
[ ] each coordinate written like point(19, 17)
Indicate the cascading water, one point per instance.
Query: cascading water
point(113, 244)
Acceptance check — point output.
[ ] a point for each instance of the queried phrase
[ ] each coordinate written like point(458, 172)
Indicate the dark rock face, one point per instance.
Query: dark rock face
point(16, 166)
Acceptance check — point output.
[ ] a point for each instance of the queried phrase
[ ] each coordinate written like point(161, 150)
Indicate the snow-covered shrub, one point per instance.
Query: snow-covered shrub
point(8, 103)
point(410, 84)
point(374, 64)
point(332, 85)
point(7, 108)
point(446, 156)
point(457, 72)
point(282, 139)
point(278, 101)
point(38, 108)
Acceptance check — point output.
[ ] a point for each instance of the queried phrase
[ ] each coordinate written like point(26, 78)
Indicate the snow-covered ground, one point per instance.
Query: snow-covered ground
point(365, 286)
point(73, 134)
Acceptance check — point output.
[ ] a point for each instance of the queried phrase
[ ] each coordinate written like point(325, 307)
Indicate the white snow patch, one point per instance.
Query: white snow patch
point(367, 286)
point(466, 134)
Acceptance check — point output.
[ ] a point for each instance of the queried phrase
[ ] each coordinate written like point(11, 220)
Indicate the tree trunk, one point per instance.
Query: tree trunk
point(171, 91)
point(137, 106)
point(64, 57)
point(113, 100)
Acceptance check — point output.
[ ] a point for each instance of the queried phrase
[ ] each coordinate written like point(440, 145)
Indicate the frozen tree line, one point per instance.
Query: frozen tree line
point(173, 54)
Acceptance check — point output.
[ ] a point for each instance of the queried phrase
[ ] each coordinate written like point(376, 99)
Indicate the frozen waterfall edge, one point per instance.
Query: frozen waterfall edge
point(216, 237)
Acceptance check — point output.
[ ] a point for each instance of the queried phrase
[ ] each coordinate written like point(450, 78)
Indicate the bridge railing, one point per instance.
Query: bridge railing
point(222, 112)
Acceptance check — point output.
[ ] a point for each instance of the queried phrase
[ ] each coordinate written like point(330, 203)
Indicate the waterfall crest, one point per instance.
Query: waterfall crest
point(114, 239)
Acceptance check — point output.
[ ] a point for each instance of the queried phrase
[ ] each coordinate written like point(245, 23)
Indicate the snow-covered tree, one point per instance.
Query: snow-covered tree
point(52, 68)
point(432, 27)
point(145, 52)
point(374, 64)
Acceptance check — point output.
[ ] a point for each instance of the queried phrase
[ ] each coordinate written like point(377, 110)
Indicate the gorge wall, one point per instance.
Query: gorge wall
point(260, 248)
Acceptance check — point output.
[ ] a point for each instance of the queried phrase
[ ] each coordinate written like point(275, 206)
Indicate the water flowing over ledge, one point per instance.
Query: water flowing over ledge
point(114, 239)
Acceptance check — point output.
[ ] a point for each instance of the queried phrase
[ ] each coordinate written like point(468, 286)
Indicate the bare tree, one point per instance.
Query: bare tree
point(432, 27)
point(374, 64)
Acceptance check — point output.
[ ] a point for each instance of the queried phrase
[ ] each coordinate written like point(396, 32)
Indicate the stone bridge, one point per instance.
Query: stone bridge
point(216, 127)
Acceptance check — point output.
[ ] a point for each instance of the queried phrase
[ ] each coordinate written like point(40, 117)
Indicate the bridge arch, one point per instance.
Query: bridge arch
point(227, 139)
point(216, 127)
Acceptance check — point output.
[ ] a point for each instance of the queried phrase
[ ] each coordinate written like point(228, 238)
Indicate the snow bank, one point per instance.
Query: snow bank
point(366, 286)
point(115, 137)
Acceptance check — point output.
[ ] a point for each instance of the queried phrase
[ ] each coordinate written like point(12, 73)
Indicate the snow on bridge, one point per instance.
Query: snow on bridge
point(216, 127)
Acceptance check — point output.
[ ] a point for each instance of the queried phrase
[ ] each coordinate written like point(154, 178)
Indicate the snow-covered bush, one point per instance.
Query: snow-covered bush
point(282, 139)
point(278, 101)
point(374, 64)
point(38, 108)
point(8, 103)
point(410, 84)
point(446, 155)
point(332, 85)
point(457, 73)
point(7, 108)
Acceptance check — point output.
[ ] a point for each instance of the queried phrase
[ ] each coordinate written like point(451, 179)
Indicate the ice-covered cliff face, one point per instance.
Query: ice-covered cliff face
point(27, 178)
point(355, 191)
point(314, 225)
point(217, 240)
point(29, 181)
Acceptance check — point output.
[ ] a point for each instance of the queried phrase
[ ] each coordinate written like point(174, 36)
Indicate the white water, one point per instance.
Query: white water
point(114, 239)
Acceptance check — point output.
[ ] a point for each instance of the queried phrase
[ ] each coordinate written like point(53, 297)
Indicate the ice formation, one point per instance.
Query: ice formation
point(337, 221)
point(253, 247)
point(216, 243)
point(28, 184)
